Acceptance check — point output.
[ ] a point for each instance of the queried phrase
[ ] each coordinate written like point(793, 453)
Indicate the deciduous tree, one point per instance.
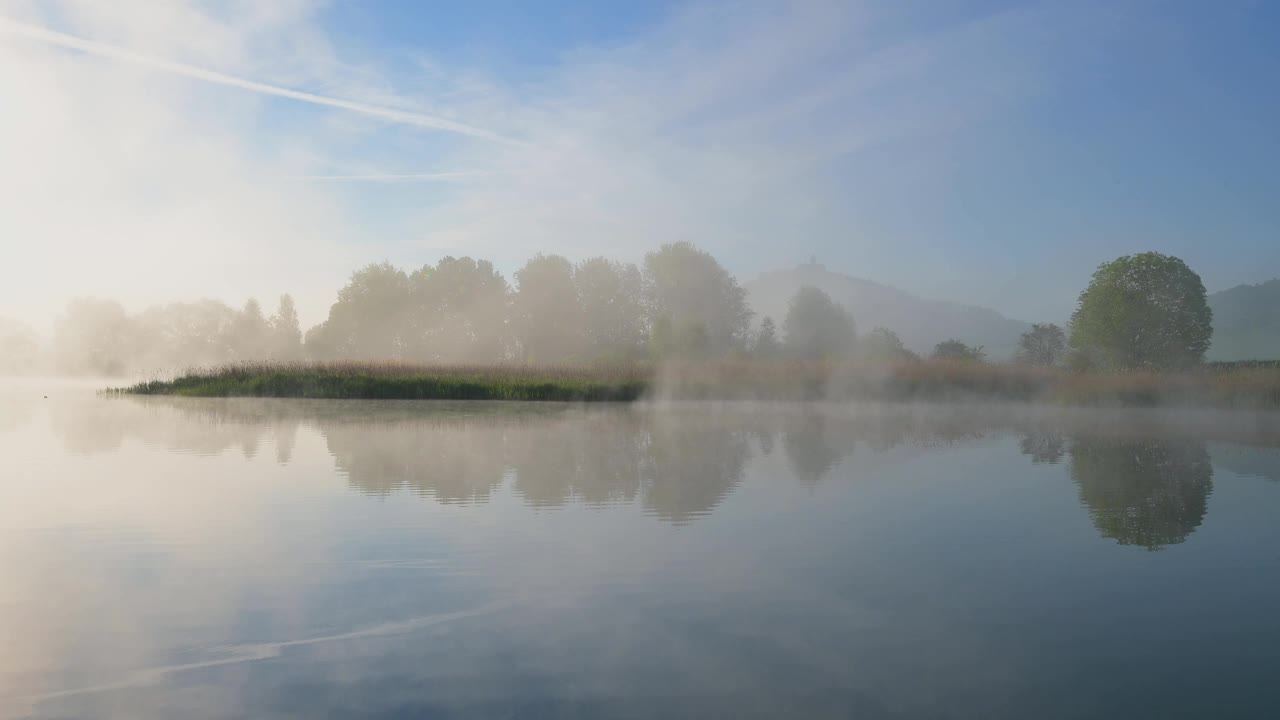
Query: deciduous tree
point(1142, 311)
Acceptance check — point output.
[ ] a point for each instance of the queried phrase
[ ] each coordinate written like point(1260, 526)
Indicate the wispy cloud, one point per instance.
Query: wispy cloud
point(758, 131)
point(51, 37)
point(762, 132)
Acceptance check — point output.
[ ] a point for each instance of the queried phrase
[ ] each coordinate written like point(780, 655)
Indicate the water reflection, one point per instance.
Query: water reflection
point(1043, 447)
point(447, 460)
point(680, 467)
point(1145, 479)
point(245, 558)
point(1150, 493)
point(688, 468)
point(593, 459)
point(814, 447)
point(16, 410)
point(1252, 460)
point(97, 425)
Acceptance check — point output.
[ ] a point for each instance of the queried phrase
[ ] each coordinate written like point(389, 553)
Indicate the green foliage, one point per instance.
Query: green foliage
point(704, 304)
point(610, 295)
point(740, 378)
point(249, 336)
point(458, 312)
point(192, 333)
point(367, 321)
point(1043, 345)
point(816, 328)
point(956, 350)
point(286, 337)
point(884, 345)
point(662, 341)
point(545, 310)
point(1145, 311)
point(1142, 311)
point(767, 345)
point(355, 380)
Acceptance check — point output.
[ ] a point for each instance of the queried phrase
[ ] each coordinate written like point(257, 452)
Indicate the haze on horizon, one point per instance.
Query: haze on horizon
point(985, 152)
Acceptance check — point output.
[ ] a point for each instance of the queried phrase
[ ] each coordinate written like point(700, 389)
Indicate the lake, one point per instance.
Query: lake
point(183, 558)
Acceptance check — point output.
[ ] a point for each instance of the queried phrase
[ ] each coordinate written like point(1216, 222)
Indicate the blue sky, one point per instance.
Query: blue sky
point(985, 152)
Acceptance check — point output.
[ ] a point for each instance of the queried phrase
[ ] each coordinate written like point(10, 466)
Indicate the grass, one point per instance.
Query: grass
point(1254, 386)
point(391, 380)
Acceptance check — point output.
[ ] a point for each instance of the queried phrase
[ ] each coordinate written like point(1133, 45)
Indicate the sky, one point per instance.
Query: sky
point(990, 152)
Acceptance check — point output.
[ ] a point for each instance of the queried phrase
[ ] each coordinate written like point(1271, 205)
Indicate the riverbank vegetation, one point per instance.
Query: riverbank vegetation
point(676, 326)
point(942, 380)
point(405, 381)
point(1145, 311)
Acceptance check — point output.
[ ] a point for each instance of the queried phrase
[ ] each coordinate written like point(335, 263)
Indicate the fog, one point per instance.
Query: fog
point(160, 525)
point(678, 305)
point(236, 150)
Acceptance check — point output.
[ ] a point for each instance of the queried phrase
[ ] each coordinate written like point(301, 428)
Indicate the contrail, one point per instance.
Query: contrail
point(113, 52)
point(235, 654)
point(394, 177)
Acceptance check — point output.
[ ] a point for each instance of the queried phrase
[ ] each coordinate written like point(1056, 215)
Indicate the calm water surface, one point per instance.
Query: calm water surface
point(171, 558)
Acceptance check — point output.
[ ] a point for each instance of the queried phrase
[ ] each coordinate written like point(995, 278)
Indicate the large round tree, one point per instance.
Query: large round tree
point(1142, 311)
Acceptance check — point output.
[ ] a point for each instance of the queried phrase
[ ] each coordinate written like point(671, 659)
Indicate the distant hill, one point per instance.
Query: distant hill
point(1246, 322)
point(921, 323)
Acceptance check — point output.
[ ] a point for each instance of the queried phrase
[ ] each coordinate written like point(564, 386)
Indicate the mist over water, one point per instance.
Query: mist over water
point(931, 368)
point(243, 558)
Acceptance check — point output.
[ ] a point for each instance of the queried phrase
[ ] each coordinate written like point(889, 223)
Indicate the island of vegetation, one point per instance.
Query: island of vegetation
point(680, 327)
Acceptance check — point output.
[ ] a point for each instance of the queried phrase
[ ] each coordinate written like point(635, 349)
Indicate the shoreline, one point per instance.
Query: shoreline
point(1255, 388)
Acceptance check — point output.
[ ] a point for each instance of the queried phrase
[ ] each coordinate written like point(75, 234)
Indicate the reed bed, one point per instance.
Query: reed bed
point(1250, 386)
point(397, 380)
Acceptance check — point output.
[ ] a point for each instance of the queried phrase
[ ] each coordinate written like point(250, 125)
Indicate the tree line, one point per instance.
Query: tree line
point(1143, 311)
point(100, 337)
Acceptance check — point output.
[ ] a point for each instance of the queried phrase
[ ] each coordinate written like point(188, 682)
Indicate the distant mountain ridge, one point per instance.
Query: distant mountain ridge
point(920, 322)
point(1246, 322)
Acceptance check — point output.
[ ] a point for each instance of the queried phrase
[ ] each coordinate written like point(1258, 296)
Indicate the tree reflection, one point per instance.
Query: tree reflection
point(199, 426)
point(593, 457)
point(1043, 447)
point(1144, 485)
point(814, 446)
point(690, 464)
point(454, 460)
point(1146, 492)
point(680, 468)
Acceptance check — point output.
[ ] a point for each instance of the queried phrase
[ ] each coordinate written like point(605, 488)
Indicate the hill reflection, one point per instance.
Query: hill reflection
point(1144, 479)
